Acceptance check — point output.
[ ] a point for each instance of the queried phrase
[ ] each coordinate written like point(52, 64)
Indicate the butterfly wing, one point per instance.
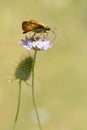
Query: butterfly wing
point(39, 24)
point(31, 25)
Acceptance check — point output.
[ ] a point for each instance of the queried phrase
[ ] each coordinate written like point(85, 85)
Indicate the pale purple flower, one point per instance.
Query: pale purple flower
point(26, 43)
point(39, 43)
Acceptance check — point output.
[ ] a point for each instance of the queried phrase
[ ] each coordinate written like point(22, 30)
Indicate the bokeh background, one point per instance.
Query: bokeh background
point(61, 72)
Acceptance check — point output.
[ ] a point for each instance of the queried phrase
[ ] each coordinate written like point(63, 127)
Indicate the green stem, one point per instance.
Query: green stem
point(33, 95)
point(18, 107)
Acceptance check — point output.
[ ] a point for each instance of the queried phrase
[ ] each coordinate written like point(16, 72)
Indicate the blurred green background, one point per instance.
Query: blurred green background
point(61, 72)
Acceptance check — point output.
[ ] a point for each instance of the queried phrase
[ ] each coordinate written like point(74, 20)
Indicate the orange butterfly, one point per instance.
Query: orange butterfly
point(34, 26)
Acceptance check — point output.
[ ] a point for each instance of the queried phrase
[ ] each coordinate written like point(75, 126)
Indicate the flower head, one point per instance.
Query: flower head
point(39, 43)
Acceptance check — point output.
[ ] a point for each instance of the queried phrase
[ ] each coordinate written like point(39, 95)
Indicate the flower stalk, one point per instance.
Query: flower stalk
point(33, 93)
point(18, 107)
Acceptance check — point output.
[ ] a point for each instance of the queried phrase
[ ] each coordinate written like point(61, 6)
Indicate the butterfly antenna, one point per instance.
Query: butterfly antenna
point(53, 31)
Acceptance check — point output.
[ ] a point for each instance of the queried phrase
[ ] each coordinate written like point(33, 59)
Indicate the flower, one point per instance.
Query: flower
point(39, 43)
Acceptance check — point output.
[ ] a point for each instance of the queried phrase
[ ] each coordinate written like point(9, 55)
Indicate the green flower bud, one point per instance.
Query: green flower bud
point(24, 69)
